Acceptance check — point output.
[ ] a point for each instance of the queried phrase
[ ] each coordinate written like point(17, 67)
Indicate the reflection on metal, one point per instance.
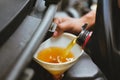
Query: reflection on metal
point(53, 27)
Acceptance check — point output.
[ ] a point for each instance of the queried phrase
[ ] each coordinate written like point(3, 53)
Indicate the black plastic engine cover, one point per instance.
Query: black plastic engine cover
point(12, 13)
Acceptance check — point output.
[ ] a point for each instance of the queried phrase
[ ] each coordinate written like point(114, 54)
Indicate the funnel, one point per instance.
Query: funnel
point(61, 41)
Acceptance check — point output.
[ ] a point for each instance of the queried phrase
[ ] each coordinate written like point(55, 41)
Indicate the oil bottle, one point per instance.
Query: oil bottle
point(84, 36)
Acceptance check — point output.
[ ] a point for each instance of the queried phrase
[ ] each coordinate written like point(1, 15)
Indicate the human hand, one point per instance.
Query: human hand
point(73, 25)
point(67, 24)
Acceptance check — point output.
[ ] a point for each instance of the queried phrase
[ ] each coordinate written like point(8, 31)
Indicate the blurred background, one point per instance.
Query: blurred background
point(25, 24)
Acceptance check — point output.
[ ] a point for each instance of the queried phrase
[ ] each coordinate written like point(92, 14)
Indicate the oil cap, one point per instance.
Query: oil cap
point(84, 36)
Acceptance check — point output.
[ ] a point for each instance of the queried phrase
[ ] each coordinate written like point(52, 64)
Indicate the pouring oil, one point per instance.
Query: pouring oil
point(54, 55)
point(69, 47)
point(57, 54)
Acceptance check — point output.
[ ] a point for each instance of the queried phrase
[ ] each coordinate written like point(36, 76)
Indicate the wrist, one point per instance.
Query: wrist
point(89, 18)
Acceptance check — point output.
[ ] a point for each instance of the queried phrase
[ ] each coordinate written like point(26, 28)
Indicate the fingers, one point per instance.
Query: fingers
point(58, 29)
point(62, 25)
point(57, 20)
point(58, 32)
